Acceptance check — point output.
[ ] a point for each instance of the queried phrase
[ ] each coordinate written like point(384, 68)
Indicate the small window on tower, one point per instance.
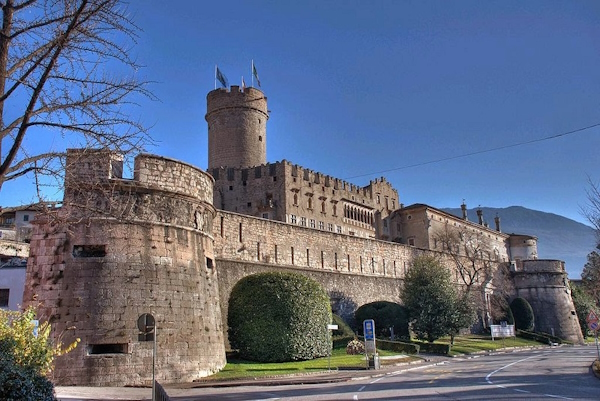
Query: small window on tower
point(260, 139)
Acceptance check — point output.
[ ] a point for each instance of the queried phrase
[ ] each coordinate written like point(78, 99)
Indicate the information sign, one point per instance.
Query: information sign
point(369, 330)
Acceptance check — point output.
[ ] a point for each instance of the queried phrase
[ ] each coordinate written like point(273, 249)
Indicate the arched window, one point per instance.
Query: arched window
point(323, 207)
point(310, 203)
point(296, 199)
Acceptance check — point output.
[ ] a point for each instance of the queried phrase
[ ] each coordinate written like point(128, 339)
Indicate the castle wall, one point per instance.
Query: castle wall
point(286, 192)
point(145, 248)
point(544, 284)
point(347, 291)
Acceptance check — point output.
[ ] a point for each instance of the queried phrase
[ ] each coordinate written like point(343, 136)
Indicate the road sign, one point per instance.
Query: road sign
point(592, 317)
point(593, 325)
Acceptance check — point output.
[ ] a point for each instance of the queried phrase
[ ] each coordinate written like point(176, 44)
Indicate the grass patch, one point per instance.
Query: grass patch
point(475, 343)
point(242, 369)
point(239, 369)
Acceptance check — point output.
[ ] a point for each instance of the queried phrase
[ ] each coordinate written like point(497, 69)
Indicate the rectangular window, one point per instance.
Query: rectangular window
point(230, 174)
point(303, 221)
point(99, 349)
point(329, 227)
point(89, 251)
point(293, 218)
point(411, 241)
point(321, 225)
point(265, 216)
point(26, 217)
point(245, 174)
point(339, 229)
point(4, 297)
point(257, 172)
point(312, 223)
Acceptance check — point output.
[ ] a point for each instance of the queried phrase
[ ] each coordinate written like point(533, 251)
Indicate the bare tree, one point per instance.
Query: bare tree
point(472, 254)
point(592, 210)
point(66, 79)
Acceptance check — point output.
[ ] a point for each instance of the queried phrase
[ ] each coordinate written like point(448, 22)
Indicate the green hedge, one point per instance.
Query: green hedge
point(279, 316)
point(544, 338)
point(385, 314)
point(398, 346)
point(433, 348)
point(523, 314)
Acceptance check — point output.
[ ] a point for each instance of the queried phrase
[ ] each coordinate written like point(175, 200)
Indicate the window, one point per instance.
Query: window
point(335, 210)
point(378, 199)
point(303, 221)
point(411, 241)
point(295, 199)
point(4, 296)
point(293, 218)
point(329, 226)
point(323, 207)
point(98, 349)
point(265, 216)
point(89, 251)
point(26, 217)
point(339, 229)
point(310, 203)
point(312, 223)
point(321, 225)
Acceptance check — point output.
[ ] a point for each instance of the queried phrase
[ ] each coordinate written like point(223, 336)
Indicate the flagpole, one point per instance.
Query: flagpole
point(215, 76)
point(252, 72)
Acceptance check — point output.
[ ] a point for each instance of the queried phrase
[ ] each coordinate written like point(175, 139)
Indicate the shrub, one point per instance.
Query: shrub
point(344, 330)
point(386, 315)
point(398, 346)
point(26, 357)
point(277, 317)
point(355, 347)
point(523, 314)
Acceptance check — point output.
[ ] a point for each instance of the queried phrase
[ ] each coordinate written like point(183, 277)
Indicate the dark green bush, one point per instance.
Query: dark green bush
point(344, 330)
point(19, 382)
point(543, 338)
point(523, 314)
point(398, 346)
point(385, 314)
point(434, 348)
point(277, 317)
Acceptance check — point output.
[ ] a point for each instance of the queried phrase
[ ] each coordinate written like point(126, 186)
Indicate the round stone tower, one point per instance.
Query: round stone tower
point(237, 127)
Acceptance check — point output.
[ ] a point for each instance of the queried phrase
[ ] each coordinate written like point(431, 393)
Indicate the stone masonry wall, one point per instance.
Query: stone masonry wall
point(144, 247)
point(544, 284)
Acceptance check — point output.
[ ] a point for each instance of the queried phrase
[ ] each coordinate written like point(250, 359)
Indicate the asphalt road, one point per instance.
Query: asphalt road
point(561, 373)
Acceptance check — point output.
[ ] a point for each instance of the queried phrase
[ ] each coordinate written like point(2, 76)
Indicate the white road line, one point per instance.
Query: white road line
point(489, 380)
point(361, 389)
point(355, 398)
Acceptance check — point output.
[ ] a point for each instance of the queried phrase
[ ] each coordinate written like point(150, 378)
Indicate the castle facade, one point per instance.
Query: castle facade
point(173, 241)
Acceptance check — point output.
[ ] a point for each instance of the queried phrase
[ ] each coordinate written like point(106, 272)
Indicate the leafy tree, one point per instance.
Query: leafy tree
point(277, 317)
point(432, 300)
point(584, 303)
point(523, 314)
point(590, 276)
point(386, 315)
point(26, 357)
point(66, 75)
point(463, 315)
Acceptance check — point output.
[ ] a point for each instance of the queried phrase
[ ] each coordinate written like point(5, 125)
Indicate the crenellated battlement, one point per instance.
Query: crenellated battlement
point(220, 99)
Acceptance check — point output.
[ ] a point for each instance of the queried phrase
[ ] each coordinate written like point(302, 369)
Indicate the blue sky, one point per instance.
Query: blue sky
point(356, 88)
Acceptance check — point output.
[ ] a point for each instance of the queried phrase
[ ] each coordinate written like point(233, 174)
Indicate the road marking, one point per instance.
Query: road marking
point(489, 380)
point(355, 398)
point(361, 389)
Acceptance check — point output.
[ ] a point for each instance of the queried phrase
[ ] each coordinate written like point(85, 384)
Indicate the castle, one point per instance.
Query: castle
point(173, 241)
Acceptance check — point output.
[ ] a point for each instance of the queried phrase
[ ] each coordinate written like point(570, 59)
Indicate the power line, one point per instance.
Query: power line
point(477, 152)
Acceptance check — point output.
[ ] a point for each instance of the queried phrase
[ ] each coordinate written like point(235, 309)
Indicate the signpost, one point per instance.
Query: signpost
point(147, 326)
point(370, 348)
point(331, 327)
point(594, 325)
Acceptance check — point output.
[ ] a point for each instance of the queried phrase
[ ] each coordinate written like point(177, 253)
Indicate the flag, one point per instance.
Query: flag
point(221, 78)
point(243, 84)
point(255, 74)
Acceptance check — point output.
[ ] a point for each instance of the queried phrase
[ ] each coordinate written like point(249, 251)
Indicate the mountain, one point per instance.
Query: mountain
point(558, 237)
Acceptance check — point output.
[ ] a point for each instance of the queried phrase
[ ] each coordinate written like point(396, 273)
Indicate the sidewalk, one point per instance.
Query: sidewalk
point(193, 389)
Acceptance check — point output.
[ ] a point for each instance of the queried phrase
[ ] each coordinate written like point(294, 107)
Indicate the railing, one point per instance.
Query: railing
point(161, 394)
